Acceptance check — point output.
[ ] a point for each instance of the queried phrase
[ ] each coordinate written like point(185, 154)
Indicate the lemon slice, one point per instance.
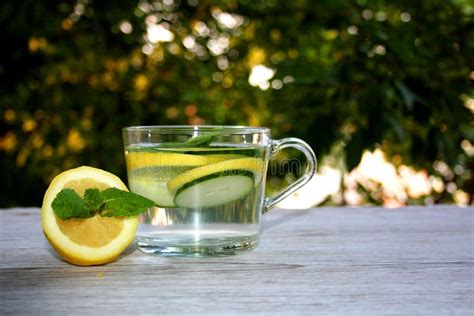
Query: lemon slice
point(225, 156)
point(90, 241)
point(151, 159)
point(246, 164)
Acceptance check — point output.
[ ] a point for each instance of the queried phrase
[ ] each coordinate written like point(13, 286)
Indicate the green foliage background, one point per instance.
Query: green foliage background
point(359, 74)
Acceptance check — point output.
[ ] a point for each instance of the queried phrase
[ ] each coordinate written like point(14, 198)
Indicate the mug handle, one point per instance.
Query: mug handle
point(311, 163)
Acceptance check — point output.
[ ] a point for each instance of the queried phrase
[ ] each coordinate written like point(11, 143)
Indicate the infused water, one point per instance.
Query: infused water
point(208, 199)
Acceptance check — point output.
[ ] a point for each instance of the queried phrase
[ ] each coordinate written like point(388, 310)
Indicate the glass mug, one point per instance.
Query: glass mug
point(208, 183)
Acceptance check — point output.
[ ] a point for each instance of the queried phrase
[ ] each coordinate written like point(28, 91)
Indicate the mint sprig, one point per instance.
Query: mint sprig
point(109, 202)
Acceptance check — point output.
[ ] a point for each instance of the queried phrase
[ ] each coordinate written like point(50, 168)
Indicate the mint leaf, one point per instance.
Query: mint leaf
point(93, 199)
point(123, 203)
point(202, 140)
point(67, 204)
point(198, 141)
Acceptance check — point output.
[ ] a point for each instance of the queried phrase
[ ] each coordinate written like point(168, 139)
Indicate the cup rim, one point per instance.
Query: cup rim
point(197, 128)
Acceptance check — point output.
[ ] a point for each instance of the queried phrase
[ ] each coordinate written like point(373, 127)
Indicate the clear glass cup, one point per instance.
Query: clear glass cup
point(208, 183)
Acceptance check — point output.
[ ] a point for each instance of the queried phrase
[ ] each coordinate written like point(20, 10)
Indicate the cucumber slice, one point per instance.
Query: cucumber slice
point(254, 165)
point(157, 191)
point(215, 189)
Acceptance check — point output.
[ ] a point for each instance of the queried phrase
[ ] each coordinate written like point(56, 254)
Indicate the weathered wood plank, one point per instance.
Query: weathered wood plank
point(416, 260)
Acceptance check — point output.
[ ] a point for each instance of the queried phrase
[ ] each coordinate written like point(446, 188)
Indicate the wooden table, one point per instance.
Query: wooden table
point(415, 260)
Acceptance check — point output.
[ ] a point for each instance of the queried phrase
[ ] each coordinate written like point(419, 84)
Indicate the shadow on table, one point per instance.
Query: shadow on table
point(269, 222)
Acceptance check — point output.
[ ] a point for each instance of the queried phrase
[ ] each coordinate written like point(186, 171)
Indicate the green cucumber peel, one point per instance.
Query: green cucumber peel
point(247, 173)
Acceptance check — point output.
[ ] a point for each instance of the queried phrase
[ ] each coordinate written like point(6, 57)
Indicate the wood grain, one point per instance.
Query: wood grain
point(342, 261)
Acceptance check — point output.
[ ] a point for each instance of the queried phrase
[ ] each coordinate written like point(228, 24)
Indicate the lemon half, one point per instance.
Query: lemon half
point(90, 241)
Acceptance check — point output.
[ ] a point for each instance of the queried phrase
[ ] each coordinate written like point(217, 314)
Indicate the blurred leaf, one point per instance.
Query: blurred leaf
point(397, 127)
point(408, 96)
point(354, 150)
